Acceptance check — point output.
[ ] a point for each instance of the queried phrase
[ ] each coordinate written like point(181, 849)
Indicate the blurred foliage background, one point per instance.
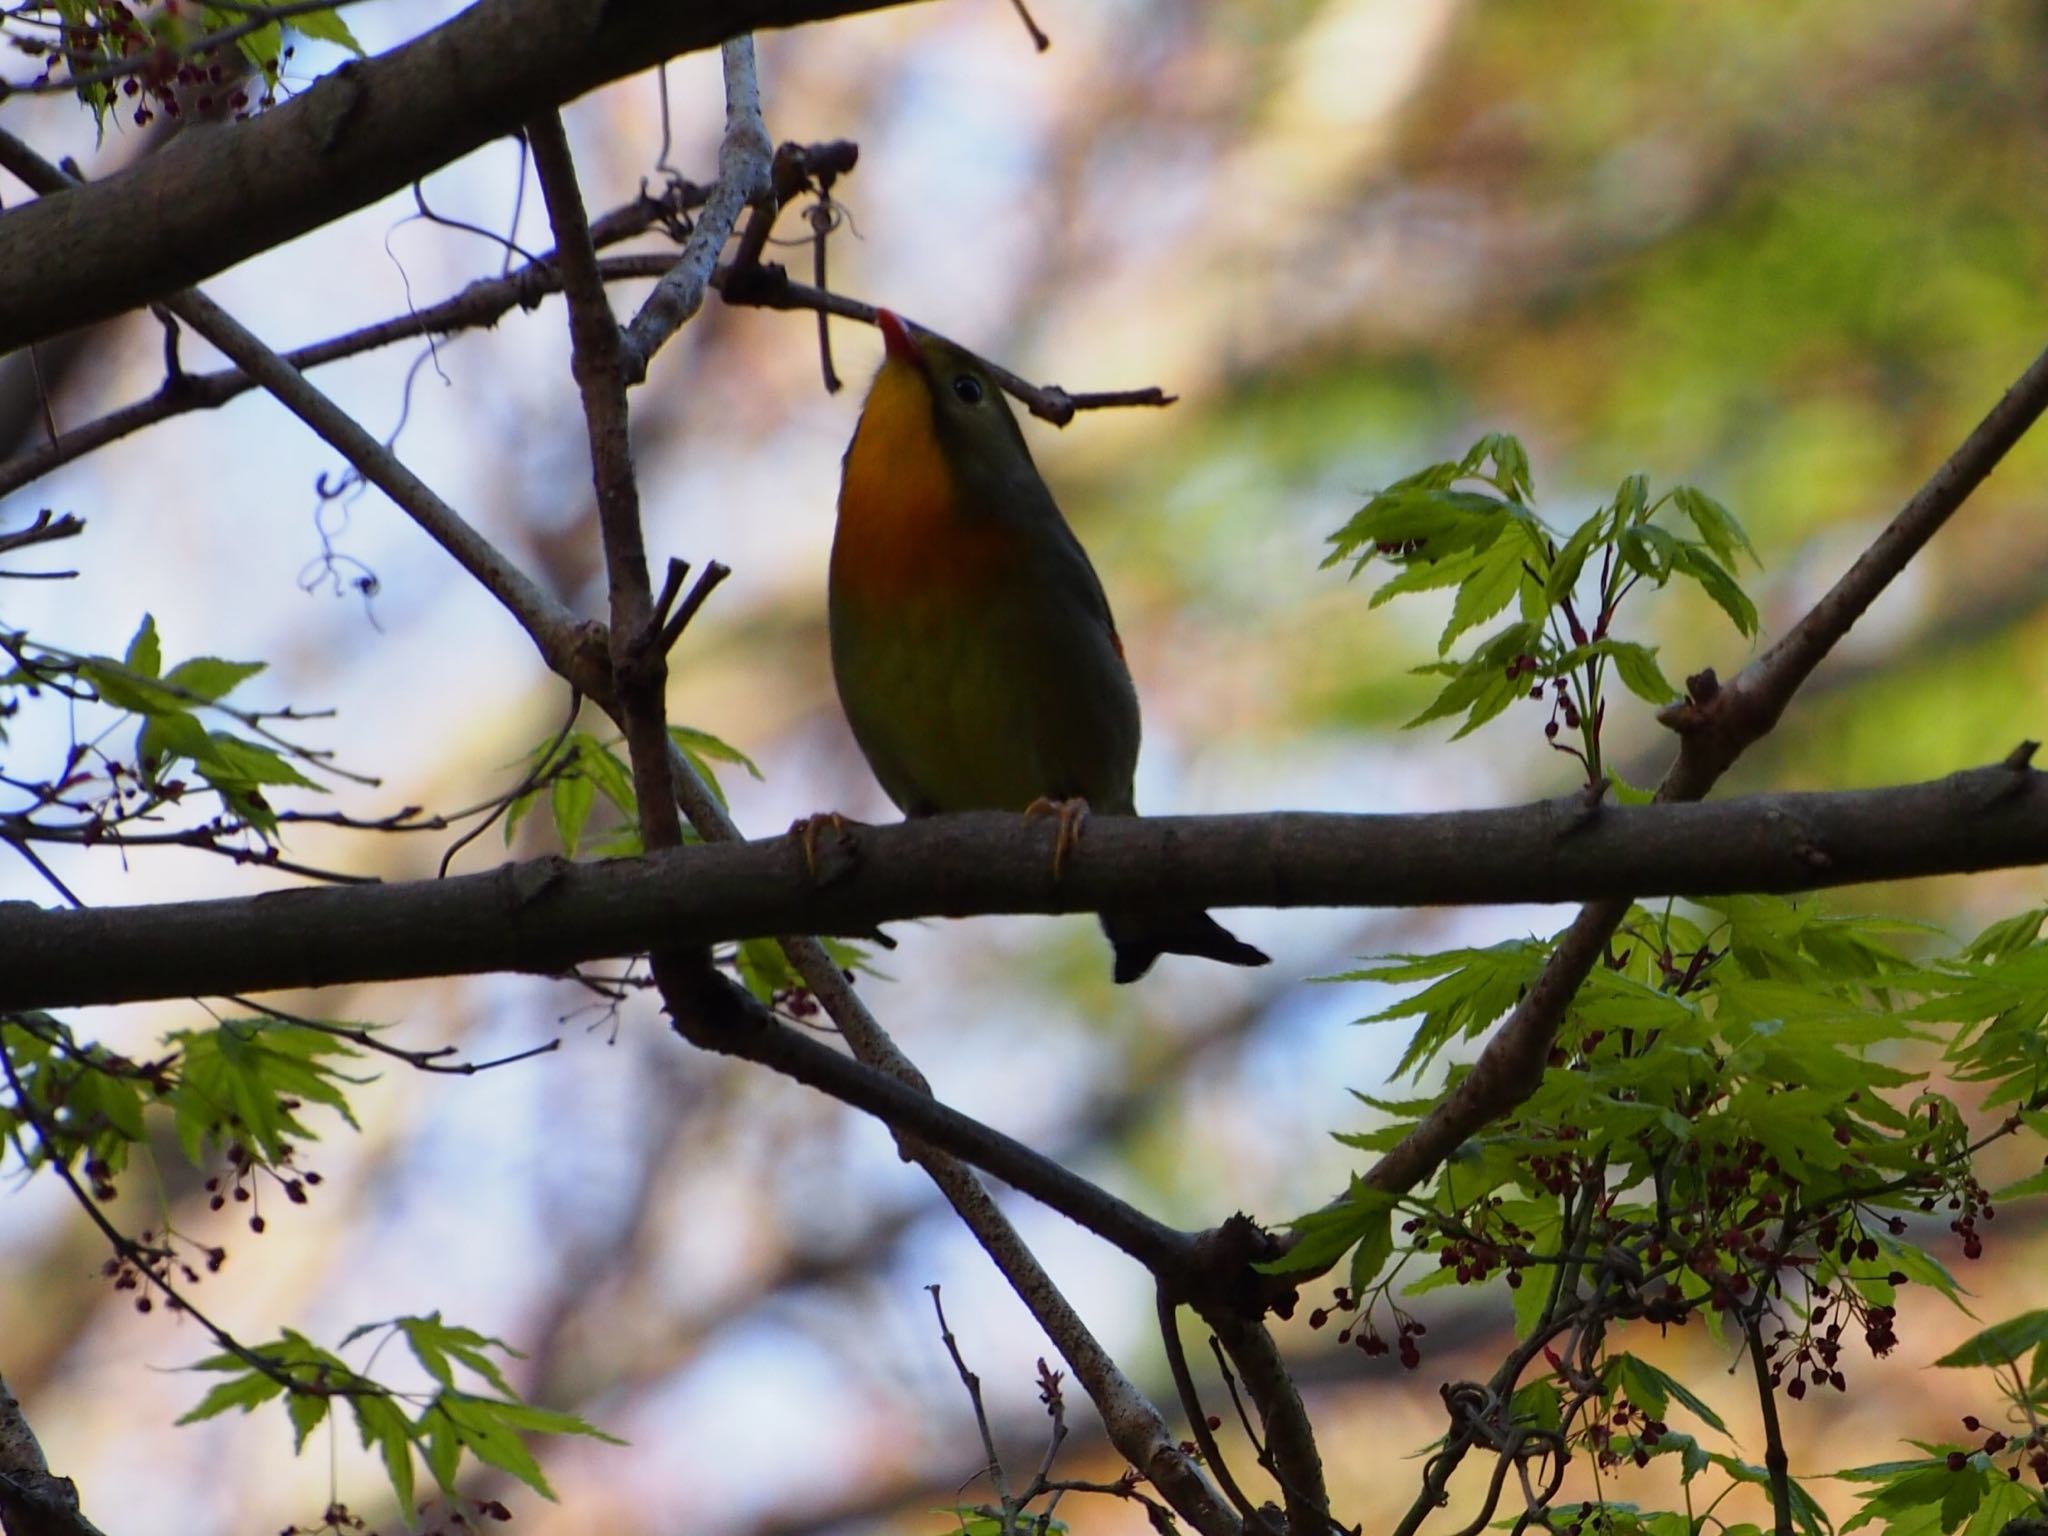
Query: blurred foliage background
point(1786, 251)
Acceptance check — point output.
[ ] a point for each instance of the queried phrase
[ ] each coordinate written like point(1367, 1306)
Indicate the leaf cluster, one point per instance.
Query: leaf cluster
point(172, 59)
point(442, 1423)
point(1466, 527)
point(184, 724)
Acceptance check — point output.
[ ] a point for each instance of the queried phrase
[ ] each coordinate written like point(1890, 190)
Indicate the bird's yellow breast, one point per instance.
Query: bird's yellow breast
point(903, 533)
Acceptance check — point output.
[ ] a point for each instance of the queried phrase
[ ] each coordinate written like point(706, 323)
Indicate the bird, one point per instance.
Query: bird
point(972, 644)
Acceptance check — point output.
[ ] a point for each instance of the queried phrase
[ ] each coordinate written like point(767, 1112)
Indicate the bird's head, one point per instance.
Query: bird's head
point(929, 388)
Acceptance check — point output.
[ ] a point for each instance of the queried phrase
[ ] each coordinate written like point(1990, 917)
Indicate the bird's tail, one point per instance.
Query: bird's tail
point(1141, 939)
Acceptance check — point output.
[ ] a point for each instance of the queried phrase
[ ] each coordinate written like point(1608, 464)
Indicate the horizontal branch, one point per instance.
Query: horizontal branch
point(480, 305)
point(214, 198)
point(548, 915)
point(767, 285)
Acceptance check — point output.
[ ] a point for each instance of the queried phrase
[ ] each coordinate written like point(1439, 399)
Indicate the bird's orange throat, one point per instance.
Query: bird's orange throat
point(902, 531)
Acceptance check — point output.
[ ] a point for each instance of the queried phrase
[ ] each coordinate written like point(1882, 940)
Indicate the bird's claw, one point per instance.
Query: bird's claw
point(1070, 814)
point(808, 829)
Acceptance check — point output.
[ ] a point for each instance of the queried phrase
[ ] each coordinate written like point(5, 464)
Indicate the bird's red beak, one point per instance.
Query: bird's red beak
point(896, 336)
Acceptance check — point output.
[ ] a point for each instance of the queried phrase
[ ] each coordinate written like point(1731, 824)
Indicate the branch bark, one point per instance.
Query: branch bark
point(33, 1500)
point(639, 667)
point(743, 175)
point(1134, 1425)
point(214, 198)
point(548, 915)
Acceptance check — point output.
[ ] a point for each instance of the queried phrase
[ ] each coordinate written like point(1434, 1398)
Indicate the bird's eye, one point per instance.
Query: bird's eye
point(967, 389)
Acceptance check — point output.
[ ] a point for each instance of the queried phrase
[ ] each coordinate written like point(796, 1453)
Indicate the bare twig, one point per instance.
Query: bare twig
point(1199, 1427)
point(769, 287)
point(743, 175)
point(1289, 1453)
point(1038, 38)
point(544, 765)
point(707, 583)
point(992, 1464)
point(433, 1060)
point(821, 226)
point(45, 529)
point(1776, 1464)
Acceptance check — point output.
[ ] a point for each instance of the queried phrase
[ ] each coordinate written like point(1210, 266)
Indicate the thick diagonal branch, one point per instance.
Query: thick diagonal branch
point(1135, 1426)
point(209, 200)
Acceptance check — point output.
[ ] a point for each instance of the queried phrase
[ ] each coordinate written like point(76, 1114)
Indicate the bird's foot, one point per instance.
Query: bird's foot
point(1071, 814)
point(808, 829)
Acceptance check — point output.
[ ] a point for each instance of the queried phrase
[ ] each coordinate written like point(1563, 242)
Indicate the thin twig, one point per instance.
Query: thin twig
point(707, 583)
point(992, 1463)
point(770, 287)
point(821, 226)
point(543, 767)
point(744, 157)
point(557, 630)
point(1290, 1453)
point(671, 588)
point(419, 1061)
point(1775, 1461)
point(639, 668)
point(45, 529)
point(1191, 1404)
point(1038, 38)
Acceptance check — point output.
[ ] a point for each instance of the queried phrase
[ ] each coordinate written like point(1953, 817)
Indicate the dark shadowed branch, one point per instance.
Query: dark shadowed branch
point(33, 1500)
point(548, 915)
point(365, 130)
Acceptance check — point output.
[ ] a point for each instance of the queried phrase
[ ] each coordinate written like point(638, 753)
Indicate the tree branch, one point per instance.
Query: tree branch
point(478, 306)
point(33, 1501)
point(548, 915)
point(769, 286)
point(567, 644)
point(1134, 1425)
point(639, 665)
point(1776, 1465)
point(1290, 1453)
point(210, 200)
point(44, 529)
point(744, 156)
